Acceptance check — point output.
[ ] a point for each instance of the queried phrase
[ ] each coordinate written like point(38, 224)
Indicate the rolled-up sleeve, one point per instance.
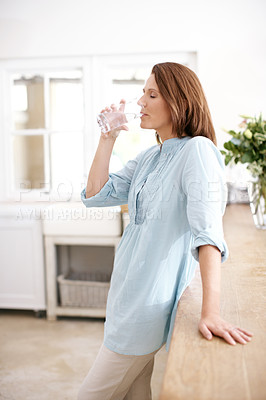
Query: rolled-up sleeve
point(205, 190)
point(115, 191)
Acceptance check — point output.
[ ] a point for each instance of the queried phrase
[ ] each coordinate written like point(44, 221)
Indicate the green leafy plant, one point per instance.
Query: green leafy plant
point(248, 146)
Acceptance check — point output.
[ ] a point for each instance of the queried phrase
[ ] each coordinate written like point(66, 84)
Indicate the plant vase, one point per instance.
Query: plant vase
point(257, 204)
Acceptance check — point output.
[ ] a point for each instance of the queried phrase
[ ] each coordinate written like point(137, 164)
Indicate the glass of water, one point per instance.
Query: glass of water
point(117, 116)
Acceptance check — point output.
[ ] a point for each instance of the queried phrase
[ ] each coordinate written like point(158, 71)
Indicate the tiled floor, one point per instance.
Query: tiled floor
point(41, 360)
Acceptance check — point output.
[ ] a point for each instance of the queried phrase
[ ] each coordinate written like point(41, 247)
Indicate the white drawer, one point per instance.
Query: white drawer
point(76, 219)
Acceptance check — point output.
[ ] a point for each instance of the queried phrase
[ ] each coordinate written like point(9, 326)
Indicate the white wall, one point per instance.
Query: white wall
point(229, 36)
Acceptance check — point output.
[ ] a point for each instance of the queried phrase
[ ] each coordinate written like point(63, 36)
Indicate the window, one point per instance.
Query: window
point(50, 125)
point(47, 133)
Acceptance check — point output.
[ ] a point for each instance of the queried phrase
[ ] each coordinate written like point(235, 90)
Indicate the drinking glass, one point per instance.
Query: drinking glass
point(118, 116)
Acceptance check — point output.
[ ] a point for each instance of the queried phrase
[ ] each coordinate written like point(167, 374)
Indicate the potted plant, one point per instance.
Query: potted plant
point(248, 146)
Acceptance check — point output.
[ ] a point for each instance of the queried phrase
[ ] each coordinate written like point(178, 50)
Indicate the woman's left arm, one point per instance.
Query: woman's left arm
point(211, 322)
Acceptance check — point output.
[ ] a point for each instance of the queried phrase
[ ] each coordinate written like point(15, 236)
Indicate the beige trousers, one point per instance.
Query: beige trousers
point(116, 376)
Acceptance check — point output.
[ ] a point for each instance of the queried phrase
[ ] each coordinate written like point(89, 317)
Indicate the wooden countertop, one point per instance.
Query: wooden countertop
point(201, 370)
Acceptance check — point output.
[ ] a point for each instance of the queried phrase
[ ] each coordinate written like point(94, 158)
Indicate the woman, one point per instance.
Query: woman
point(175, 195)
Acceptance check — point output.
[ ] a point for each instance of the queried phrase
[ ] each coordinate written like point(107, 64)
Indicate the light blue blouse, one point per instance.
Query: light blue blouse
point(176, 197)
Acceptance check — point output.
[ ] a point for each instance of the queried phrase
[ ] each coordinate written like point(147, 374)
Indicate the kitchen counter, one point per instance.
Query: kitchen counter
point(201, 370)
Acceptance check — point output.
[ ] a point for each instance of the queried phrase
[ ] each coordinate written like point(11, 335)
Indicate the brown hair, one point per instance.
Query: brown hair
point(182, 91)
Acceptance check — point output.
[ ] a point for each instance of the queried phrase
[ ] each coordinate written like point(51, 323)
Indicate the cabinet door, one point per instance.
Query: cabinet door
point(22, 283)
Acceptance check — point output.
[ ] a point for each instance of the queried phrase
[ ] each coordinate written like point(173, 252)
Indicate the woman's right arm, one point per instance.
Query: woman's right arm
point(99, 172)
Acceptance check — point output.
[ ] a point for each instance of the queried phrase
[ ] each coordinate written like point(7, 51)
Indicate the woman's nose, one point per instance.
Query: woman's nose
point(140, 102)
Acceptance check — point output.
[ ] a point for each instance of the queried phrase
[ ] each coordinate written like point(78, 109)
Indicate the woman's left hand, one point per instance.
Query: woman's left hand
point(215, 325)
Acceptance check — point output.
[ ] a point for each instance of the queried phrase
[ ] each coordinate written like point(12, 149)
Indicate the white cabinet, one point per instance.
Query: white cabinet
point(70, 227)
point(22, 284)
point(64, 229)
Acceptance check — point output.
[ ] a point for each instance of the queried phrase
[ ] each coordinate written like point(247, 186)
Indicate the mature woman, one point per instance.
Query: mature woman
point(176, 198)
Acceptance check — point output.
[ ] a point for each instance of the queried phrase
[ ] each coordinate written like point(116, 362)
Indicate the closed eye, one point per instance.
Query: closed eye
point(150, 90)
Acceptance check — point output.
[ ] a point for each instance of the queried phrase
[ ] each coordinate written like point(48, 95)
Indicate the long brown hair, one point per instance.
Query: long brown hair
point(182, 91)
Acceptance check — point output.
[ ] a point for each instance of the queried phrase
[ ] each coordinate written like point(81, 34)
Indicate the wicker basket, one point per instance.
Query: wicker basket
point(84, 289)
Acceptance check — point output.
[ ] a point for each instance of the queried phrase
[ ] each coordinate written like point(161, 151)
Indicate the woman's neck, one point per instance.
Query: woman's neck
point(166, 135)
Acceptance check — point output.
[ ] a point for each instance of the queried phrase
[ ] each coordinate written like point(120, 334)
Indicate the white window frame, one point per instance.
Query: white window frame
point(35, 66)
point(95, 85)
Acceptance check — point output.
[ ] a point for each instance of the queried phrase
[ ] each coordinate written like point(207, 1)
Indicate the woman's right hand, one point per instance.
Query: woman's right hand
point(113, 134)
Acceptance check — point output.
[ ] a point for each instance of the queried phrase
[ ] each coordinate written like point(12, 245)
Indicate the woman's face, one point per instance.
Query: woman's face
point(155, 111)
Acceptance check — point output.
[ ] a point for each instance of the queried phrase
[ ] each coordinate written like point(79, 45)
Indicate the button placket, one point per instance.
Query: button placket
point(139, 214)
point(150, 186)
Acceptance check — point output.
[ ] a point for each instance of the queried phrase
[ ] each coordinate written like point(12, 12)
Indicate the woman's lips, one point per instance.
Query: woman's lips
point(143, 115)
